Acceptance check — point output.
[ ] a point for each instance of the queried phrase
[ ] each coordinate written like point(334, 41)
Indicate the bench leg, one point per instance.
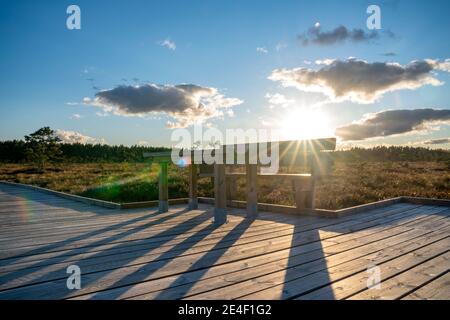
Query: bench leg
point(231, 188)
point(220, 208)
point(252, 190)
point(304, 194)
point(311, 195)
point(163, 188)
point(193, 201)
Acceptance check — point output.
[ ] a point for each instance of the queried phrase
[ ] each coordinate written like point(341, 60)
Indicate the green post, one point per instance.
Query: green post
point(163, 188)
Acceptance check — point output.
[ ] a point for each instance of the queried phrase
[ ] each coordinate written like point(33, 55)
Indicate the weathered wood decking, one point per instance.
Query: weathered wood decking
point(140, 254)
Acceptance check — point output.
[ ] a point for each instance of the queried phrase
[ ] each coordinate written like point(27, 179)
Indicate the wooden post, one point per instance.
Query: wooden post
point(163, 188)
point(311, 194)
point(193, 201)
point(299, 194)
point(304, 193)
point(231, 188)
point(220, 211)
point(252, 190)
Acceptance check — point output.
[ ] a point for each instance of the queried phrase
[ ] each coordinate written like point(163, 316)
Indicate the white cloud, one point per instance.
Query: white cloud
point(440, 65)
point(76, 116)
point(280, 46)
point(340, 34)
point(230, 113)
point(185, 103)
point(266, 123)
point(261, 50)
point(325, 62)
point(67, 136)
point(102, 114)
point(278, 99)
point(142, 143)
point(358, 80)
point(169, 44)
point(393, 122)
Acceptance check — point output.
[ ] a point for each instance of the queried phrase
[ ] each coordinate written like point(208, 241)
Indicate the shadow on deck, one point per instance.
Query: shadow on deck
point(141, 254)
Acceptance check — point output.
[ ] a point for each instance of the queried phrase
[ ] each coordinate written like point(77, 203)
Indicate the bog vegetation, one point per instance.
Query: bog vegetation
point(122, 174)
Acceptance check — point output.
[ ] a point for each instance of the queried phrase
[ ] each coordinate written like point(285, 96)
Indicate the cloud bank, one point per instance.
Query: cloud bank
point(391, 122)
point(76, 137)
point(185, 103)
point(437, 141)
point(361, 81)
point(340, 34)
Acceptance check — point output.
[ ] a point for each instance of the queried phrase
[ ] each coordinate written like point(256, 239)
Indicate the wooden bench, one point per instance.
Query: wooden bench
point(313, 155)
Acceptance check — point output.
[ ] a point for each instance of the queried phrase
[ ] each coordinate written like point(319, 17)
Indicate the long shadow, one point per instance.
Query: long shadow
point(146, 269)
point(202, 265)
point(209, 259)
point(299, 262)
point(181, 286)
point(164, 259)
point(54, 260)
point(89, 277)
point(54, 246)
point(321, 275)
point(68, 204)
point(293, 262)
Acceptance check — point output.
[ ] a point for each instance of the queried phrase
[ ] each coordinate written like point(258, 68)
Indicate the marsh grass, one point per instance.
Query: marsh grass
point(350, 183)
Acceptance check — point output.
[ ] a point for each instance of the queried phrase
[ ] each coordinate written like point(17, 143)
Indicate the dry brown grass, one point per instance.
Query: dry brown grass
point(349, 184)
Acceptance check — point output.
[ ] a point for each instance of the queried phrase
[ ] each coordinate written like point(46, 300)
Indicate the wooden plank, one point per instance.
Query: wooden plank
point(220, 205)
point(291, 152)
point(438, 289)
point(303, 225)
point(287, 176)
point(160, 268)
point(356, 286)
point(325, 222)
point(187, 257)
point(405, 283)
point(182, 219)
point(267, 282)
point(427, 201)
point(102, 203)
point(219, 276)
point(155, 244)
point(252, 190)
point(80, 226)
point(303, 222)
point(303, 277)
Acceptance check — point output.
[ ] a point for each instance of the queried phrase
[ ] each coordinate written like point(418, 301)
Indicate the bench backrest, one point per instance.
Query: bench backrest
point(312, 154)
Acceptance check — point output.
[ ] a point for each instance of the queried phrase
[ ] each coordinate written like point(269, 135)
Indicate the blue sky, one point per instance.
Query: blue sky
point(47, 70)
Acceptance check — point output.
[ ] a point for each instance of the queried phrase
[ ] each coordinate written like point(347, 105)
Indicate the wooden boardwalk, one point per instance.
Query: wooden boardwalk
point(140, 254)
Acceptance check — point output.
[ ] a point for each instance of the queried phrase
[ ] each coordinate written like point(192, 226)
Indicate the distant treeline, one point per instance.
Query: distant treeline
point(14, 151)
point(392, 153)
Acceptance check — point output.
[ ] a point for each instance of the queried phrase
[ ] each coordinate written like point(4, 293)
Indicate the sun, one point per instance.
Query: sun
point(305, 124)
